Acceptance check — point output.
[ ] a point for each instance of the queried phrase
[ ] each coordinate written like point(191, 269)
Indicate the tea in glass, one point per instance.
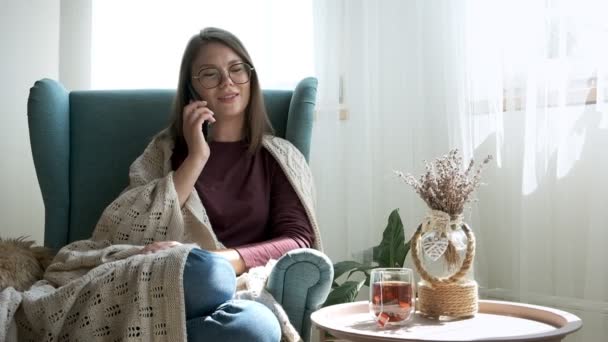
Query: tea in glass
point(391, 295)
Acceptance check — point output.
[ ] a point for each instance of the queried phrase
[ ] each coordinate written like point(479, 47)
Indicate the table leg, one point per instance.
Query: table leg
point(320, 334)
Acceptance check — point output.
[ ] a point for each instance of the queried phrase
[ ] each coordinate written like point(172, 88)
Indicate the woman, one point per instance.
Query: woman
point(211, 196)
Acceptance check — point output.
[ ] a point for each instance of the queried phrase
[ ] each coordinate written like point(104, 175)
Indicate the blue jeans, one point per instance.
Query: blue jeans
point(211, 314)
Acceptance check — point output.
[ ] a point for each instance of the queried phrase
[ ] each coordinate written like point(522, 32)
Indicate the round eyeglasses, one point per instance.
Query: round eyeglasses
point(211, 77)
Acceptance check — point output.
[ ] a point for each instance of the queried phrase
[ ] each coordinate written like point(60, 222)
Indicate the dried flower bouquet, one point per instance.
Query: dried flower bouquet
point(446, 188)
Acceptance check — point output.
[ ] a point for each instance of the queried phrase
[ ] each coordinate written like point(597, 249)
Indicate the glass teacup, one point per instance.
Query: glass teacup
point(391, 295)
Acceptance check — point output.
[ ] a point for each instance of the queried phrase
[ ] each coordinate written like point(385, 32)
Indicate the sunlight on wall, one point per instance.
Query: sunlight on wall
point(138, 44)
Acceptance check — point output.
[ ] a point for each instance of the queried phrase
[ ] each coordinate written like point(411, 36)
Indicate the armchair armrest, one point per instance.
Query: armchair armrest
point(300, 282)
point(48, 111)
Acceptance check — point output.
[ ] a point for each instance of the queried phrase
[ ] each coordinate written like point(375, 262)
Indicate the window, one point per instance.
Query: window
point(542, 53)
point(138, 44)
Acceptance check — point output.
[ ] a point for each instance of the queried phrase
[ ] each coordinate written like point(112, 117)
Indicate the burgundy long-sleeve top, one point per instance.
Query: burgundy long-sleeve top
point(251, 204)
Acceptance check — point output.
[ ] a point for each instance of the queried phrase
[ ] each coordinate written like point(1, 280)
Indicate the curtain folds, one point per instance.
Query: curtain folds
point(524, 81)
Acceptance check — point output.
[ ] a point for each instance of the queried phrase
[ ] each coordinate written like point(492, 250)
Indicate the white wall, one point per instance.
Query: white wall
point(29, 32)
point(75, 44)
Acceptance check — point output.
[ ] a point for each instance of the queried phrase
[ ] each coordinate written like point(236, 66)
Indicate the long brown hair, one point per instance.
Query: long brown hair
point(256, 119)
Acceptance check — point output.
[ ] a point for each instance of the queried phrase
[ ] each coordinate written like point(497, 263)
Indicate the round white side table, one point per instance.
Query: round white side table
point(495, 321)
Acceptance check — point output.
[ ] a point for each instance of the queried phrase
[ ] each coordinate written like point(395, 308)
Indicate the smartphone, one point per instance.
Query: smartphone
point(194, 96)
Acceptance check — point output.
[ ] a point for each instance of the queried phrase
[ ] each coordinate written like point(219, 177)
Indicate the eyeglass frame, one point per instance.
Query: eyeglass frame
point(222, 72)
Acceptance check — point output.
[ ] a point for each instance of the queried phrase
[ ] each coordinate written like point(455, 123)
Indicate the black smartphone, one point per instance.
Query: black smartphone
point(194, 96)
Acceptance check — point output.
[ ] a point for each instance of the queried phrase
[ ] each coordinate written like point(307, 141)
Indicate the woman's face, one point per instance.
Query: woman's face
point(214, 63)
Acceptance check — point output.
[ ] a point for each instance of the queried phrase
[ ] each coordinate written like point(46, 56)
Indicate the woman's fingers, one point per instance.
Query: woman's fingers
point(200, 116)
point(191, 109)
point(206, 112)
point(159, 246)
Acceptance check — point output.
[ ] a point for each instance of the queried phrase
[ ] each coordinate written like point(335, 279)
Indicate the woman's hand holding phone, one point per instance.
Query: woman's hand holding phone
point(195, 114)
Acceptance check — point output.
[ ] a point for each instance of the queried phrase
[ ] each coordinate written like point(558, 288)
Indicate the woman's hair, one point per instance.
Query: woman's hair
point(256, 119)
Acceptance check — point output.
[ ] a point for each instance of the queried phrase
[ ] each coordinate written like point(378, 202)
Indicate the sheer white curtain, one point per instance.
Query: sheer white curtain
point(543, 220)
point(521, 80)
point(405, 103)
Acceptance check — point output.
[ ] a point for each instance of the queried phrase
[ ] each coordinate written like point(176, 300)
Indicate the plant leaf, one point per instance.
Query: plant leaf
point(345, 266)
point(367, 279)
point(347, 292)
point(365, 269)
point(392, 249)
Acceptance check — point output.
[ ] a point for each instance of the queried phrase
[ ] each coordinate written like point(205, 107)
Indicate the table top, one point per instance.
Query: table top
point(495, 321)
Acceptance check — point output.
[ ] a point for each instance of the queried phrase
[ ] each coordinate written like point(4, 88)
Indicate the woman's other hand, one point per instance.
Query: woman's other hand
point(194, 115)
point(159, 246)
point(235, 259)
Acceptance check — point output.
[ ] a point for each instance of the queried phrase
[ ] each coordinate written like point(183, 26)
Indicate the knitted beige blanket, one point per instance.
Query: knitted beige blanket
point(102, 289)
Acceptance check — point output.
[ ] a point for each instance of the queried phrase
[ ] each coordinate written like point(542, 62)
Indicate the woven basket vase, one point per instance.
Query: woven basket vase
point(453, 296)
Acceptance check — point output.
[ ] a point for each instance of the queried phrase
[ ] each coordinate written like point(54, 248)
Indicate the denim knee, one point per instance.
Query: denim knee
point(264, 325)
point(236, 321)
point(209, 281)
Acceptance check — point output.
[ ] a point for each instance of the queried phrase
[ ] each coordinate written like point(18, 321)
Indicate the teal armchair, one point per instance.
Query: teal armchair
point(83, 143)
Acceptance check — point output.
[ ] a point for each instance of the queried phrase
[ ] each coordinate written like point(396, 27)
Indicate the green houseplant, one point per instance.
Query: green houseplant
point(391, 252)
